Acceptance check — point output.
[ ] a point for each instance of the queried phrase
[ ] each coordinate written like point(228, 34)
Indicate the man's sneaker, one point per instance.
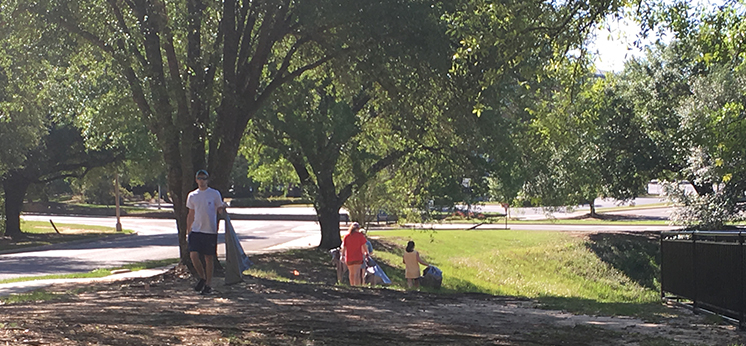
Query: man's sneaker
point(200, 285)
point(206, 290)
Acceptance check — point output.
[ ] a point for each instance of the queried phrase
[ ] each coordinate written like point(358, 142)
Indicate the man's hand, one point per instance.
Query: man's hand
point(190, 220)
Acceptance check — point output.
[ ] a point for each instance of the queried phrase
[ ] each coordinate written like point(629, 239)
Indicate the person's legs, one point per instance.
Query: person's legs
point(416, 283)
point(358, 275)
point(209, 259)
point(194, 255)
point(354, 274)
point(409, 282)
point(340, 271)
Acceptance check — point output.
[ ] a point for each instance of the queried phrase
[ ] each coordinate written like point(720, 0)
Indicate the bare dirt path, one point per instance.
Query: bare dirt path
point(164, 310)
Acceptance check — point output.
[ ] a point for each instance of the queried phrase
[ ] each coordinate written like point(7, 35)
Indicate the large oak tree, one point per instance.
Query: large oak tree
point(199, 71)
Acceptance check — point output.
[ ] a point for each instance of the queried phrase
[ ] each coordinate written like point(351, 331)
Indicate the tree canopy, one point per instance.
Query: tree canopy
point(200, 72)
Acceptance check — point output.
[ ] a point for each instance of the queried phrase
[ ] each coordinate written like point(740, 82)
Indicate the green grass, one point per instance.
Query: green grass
point(604, 274)
point(40, 227)
point(41, 295)
point(33, 296)
point(97, 273)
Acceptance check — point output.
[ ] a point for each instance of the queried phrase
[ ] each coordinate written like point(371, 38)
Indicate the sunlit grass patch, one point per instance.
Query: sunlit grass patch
point(41, 295)
point(559, 269)
point(268, 274)
point(41, 227)
point(34, 296)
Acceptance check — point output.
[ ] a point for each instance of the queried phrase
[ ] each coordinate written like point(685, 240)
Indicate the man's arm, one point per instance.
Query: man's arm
point(190, 220)
point(219, 210)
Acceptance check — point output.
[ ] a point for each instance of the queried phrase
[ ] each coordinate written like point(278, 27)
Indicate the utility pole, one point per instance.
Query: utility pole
point(116, 189)
point(507, 213)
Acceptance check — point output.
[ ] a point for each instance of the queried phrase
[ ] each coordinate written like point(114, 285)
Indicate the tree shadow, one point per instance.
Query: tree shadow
point(636, 254)
point(647, 311)
point(618, 217)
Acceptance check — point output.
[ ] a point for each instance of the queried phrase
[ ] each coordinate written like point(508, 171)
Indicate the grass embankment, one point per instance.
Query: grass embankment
point(608, 274)
point(602, 273)
point(39, 233)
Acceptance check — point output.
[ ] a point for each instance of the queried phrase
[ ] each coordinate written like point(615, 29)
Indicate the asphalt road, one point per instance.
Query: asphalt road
point(155, 239)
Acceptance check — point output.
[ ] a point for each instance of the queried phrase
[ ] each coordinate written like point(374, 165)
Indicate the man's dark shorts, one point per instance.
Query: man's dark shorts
point(204, 243)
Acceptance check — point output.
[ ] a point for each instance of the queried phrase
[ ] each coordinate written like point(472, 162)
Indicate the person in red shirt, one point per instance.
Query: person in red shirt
point(354, 250)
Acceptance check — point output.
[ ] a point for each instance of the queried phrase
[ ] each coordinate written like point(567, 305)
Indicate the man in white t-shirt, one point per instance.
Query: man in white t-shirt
point(204, 204)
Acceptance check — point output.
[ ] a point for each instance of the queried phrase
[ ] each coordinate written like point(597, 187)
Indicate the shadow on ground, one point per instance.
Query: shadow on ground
point(636, 254)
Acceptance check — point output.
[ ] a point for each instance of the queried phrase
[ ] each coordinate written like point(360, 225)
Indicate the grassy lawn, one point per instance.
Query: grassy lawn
point(38, 233)
point(601, 274)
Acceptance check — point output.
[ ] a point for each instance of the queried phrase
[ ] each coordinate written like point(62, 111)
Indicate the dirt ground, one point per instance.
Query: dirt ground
point(164, 310)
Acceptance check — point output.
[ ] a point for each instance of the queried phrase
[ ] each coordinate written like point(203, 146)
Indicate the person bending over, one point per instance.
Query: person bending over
point(354, 250)
point(412, 263)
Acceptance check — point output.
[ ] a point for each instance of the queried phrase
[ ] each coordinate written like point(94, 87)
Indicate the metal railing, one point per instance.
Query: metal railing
point(706, 268)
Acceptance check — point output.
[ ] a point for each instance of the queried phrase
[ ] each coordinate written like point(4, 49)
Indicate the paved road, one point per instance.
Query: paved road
point(155, 239)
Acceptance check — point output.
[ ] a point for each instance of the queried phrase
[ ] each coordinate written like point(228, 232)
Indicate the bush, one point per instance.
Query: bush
point(715, 206)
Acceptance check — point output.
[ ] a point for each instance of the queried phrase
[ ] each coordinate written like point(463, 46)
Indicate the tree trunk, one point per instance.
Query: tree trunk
point(15, 190)
point(329, 221)
point(593, 208)
point(701, 189)
point(178, 197)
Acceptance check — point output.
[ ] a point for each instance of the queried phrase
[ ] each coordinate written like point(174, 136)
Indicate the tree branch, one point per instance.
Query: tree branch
point(277, 82)
point(247, 39)
point(125, 29)
point(386, 161)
